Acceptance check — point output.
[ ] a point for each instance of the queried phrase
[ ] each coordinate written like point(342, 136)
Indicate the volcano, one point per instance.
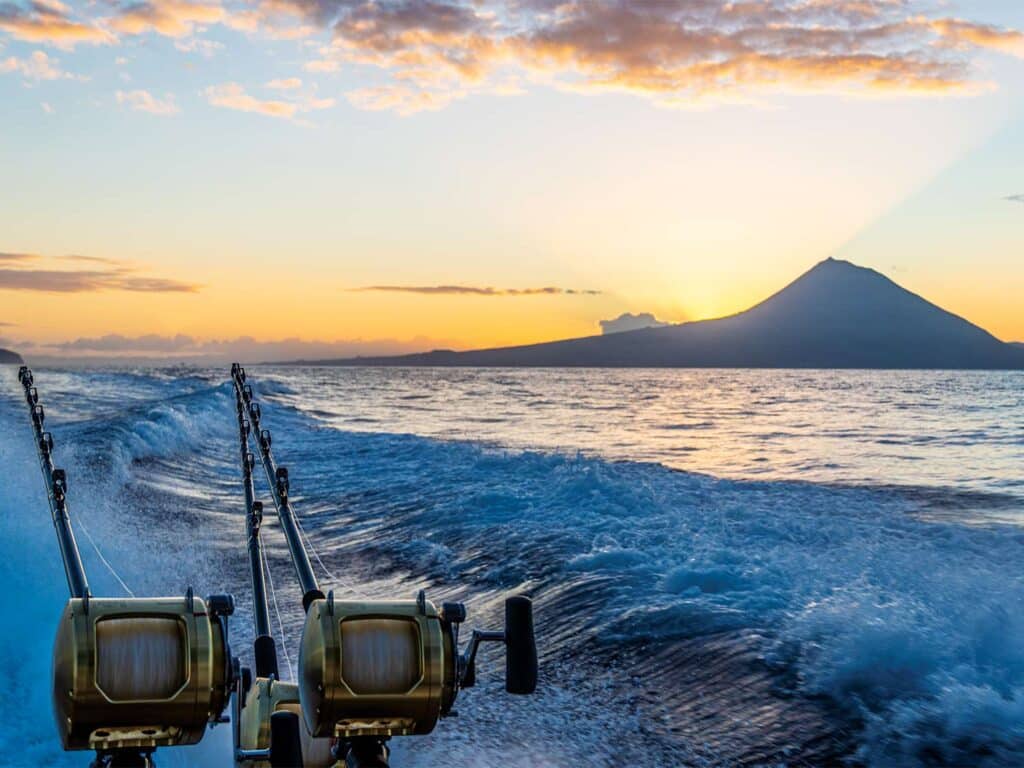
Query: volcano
point(837, 315)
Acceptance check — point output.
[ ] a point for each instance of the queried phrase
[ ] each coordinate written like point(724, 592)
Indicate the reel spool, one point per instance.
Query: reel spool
point(392, 668)
point(140, 673)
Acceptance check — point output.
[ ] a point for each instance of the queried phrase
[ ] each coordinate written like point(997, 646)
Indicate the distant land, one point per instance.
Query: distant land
point(7, 357)
point(837, 315)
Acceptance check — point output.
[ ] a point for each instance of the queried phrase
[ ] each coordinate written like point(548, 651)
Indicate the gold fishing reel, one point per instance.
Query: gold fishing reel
point(140, 673)
point(393, 668)
point(258, 712)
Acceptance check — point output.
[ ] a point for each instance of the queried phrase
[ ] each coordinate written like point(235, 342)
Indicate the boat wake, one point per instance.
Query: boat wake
point(682, 619)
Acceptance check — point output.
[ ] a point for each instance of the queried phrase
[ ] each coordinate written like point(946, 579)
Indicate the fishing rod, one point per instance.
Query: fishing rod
point(56, 482)
point(265, 725)
point(277, 479)
point(129, 674)
point(370, 670)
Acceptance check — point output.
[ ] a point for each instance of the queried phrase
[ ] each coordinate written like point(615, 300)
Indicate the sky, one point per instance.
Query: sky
point(307, 178)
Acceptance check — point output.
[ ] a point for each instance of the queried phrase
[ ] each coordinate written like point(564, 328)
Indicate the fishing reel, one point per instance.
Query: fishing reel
point(269, 731)
point(392, 668)
point(129, 674)
point(134, 674)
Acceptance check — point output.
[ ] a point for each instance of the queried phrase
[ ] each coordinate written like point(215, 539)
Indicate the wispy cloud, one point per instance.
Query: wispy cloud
point(1015, 198)
point(472, 290)
point(234, 96)
point(285, 84)
point(143, 101)
point(37, 66)
point(32, 272)
point(79, 281)
point(89, 259)
point(205, 48)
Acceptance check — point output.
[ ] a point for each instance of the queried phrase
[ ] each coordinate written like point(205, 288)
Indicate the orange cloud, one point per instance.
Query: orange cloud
point(49, 21)
point(234, 96)
point(966, 34)
point(475, 290)
point(172, 18)
point(144, 101)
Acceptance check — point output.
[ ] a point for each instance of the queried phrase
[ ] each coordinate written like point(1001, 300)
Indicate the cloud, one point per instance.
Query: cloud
point(171, 18)
point(115, 342)
point(321, 66)
point(402, 99)
point(675, 52)
point(965, 35)
point(205, 48)
point(79, 281)
point(38, 66)
point(89, 259)
point(1015, 198)
point(106, 275)
point(470, 290)
point(246, 348)
point(49, 21)
point(285, 84)
point(630, 322)
point(144, 101)
point(234, 96)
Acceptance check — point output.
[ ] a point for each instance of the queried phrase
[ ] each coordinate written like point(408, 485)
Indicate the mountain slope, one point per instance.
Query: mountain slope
point(837, 315)
point(7, 357)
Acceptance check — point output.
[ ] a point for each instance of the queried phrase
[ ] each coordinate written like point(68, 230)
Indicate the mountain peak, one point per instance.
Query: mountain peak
point(835, 315)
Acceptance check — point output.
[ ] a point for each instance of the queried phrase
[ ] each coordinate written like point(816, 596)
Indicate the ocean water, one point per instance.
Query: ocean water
point(728, 567)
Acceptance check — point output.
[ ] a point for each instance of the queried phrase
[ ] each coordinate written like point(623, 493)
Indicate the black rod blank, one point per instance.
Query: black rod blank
point(56, 491)
point(277, 478)
point(266, 650)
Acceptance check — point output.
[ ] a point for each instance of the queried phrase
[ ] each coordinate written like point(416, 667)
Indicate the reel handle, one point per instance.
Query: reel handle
point(520, 646)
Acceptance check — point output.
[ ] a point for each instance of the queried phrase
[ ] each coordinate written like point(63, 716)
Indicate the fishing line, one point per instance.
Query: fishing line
point(82, 527)
point(277, 610)
point(347, 585)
